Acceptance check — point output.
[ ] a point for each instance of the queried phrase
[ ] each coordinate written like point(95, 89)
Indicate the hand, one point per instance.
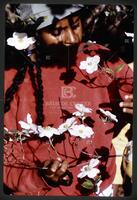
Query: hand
point(56, 172)
point(128, 158)
point(127, 105)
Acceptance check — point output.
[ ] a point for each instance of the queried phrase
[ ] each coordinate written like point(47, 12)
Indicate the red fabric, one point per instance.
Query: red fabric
point(102, 91)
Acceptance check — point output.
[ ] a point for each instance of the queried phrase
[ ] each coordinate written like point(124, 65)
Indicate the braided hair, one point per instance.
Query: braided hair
point(37, 86)
point(38, 91)
point(18, 79)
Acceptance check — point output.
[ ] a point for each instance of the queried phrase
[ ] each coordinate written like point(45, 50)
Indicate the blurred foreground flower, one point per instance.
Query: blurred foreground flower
point(20, 41)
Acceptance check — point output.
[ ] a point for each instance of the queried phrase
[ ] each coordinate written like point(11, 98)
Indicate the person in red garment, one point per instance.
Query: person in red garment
point(71, 88)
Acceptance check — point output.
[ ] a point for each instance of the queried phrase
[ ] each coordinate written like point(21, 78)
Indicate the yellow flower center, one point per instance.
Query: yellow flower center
point(80, 131)
point(89, 63)
point(65, 126)
point(47, 127)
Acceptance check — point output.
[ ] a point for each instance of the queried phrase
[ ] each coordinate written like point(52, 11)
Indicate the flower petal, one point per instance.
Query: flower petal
point(109, 115)
point(21, 46)
point(70, 121)
point(87, 110)
point(66, 125)
point(10, 42)
point(89, 59)
point(93, 172)
point(96, 59)
point(91, 68)
point(24, 125)
point(49, 133)
point(73, 131)
point(45, 132)
point(79, 107)
point(83, 65)
point(98, 186)
point(78, 114)
point(107, 192)
point(34, 127)
point(82, 109)
point(82, 174)
point(29, 119)
point(31, 40)
point(94, 162)
point(55, 131)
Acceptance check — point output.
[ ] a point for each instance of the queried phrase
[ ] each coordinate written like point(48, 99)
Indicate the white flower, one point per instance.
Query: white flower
point(67, 125)
point(91, 64)
point(130, 35)
point(28, 125)
point(20, 41)
point(89, 170)
point(47, 131)
point(81, 131)
point(107, 13)
point(6, 129)
point(118, 9)
point(108, 114)
point(98, 186)
point(108, 192)
point(81, 110)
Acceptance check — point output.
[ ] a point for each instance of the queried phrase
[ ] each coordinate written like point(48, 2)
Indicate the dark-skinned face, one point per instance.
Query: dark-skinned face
point(61, 39)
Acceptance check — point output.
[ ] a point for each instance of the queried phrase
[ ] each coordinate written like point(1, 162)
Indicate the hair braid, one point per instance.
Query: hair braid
point(32, 78)
point(18, 79)
point(39, 105)
point(38, 92)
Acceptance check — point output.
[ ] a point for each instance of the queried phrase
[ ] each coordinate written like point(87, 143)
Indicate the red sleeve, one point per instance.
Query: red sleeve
point(22, 164)
point(118, 72)
point(123, 78)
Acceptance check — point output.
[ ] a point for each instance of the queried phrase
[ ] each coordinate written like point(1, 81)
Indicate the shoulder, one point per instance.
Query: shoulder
point(10, 72)
point(9, 76)
point(108, 58)
point(92, 47)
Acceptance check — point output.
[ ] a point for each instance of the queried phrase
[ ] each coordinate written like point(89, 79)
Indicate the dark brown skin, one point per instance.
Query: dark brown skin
point(67, 31)
point(127, 105)
point(56, 171)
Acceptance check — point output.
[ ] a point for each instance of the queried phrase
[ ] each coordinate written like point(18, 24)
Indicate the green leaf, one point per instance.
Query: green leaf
point(119, 68)
point(88, 184)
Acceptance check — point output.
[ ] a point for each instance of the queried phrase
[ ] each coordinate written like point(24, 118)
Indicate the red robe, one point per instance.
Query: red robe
point(102, 89)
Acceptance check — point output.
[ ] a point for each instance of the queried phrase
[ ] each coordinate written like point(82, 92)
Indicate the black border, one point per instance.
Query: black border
point(2, 61)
